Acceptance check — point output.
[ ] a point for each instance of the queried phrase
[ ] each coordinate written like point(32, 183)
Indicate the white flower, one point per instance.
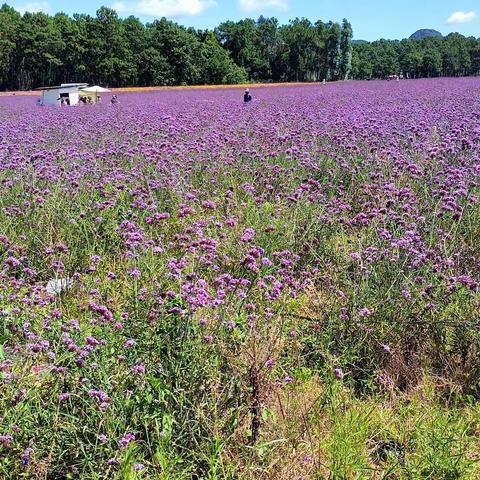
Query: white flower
point(56, 286)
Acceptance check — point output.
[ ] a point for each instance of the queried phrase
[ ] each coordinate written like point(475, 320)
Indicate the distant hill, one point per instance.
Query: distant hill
point(359, 42)
point(424, 33)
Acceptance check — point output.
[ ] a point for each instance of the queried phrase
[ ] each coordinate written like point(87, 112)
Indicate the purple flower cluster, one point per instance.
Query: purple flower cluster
point(359, 201)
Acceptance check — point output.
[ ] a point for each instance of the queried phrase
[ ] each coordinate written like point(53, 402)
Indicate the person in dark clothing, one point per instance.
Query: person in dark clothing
point(246, 96)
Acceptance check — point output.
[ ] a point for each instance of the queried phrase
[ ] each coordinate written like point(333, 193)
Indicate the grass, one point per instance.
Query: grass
point(290, 385)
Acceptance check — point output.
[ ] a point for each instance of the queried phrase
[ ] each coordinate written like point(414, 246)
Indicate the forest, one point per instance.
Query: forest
point(37, 49)
point(450, 56)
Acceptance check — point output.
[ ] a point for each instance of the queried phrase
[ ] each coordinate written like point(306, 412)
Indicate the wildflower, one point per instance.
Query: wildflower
point(126, 439)
point(130, 343)
point(365, 312)
point(338, 372)
point(138, 467)
point(27, 456)
point(91, 341)
point(101, 397)
point(384, 380)
point(248, 235)
point(386, 348)
point(139, 369)
point(6, 440)
point(209, 205)
point(267, 262)
point(58, 266)
point(12, 262)
point(134, 273)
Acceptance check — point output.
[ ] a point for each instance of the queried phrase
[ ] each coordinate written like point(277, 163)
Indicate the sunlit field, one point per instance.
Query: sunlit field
point(194, 288)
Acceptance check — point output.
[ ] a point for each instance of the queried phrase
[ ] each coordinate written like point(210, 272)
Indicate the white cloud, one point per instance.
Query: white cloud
point(33, 7)
point(255, 5)
point(164, 8)
point(462, 17)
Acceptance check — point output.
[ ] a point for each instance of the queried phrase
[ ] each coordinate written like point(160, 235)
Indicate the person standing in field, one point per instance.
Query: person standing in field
point(246, 96)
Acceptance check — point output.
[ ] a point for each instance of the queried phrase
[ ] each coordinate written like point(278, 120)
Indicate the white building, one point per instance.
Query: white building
point(68, 91)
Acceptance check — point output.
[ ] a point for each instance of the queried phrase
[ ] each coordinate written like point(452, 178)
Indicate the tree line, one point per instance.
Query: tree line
point(37, 49)
point(452, 56)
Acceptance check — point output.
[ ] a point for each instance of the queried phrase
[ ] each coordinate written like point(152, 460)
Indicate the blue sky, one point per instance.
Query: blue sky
point(371, 19)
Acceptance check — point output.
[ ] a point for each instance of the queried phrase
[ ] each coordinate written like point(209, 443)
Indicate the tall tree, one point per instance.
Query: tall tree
point(179, 47)
point(217, 67)
point(345, 61)
point(38, 51)
point(242, 41)
point(10, 21)
point(333, 50)
point(300, 39)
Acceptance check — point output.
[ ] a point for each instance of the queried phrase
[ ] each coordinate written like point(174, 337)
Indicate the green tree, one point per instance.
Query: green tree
point(300, 54)
point(345, 60)
point(334, 34)
point(475, 58)
point(217, 66)
point(362, 68)
point(432, 63)
point(9, 32)
point(242, 41)
point(135, 34)
point(38, 52)
point(179, 47)
point(154, 69)
point(108, 44)
point(72, 50)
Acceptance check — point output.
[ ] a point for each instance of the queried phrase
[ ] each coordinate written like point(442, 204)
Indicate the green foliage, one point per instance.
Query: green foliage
point(37, 49)
point(453, 55)
point(345, 63)
point(333, 50)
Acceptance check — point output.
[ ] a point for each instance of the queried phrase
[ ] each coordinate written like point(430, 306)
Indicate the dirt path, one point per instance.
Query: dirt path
point(190, 87)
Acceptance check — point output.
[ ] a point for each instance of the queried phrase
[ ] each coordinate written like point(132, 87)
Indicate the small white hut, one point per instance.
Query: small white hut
point(66, 91)
point(70, 94)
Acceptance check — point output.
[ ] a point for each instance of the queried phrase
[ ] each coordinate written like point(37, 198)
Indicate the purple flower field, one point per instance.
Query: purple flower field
point(189, 285)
